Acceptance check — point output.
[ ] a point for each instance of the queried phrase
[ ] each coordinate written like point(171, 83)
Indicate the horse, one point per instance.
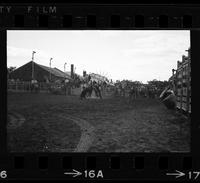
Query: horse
point(97, 91)
point(168, 98)
point(86, 92)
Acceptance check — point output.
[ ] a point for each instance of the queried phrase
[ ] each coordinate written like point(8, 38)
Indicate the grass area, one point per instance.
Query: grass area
point(42, 130)
point(30, 137)
point(144, 125)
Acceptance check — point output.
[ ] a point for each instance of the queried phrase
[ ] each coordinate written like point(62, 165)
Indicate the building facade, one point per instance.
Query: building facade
point(40, 72)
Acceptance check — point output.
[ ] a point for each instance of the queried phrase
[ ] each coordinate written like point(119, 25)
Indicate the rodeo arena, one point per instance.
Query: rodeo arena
point(50, 110)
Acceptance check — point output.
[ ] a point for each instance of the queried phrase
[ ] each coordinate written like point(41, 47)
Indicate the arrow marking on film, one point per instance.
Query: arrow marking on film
point(74, 173)
point(177, 174)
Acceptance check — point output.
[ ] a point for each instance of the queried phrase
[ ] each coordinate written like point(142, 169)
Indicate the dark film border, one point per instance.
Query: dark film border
point(114, 165)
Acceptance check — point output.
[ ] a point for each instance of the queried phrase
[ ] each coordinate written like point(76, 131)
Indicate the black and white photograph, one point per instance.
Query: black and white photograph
point(98, 91)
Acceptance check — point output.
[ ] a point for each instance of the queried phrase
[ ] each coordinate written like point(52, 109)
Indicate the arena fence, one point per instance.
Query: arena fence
point(183, 85)
point(25, 86)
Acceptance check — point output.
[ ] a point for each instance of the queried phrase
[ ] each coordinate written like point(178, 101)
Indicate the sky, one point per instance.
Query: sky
point(141, 55)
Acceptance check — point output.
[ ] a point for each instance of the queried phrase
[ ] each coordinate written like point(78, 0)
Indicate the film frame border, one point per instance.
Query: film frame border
point(114, 165)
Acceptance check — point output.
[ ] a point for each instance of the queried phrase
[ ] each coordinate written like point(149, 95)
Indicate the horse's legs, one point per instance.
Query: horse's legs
point(96, 92)
point(99, 94)
point(90, 92)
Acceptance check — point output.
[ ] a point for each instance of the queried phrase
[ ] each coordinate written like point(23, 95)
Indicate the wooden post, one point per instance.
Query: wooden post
point(188, 84)
point(72, 71)
point(181, 94)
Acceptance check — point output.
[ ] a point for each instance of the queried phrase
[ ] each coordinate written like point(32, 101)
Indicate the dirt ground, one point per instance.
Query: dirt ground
point(144, 125)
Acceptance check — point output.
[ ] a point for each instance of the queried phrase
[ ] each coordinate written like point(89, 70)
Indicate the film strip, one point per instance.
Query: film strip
point(87, 165)
point(86, 17)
